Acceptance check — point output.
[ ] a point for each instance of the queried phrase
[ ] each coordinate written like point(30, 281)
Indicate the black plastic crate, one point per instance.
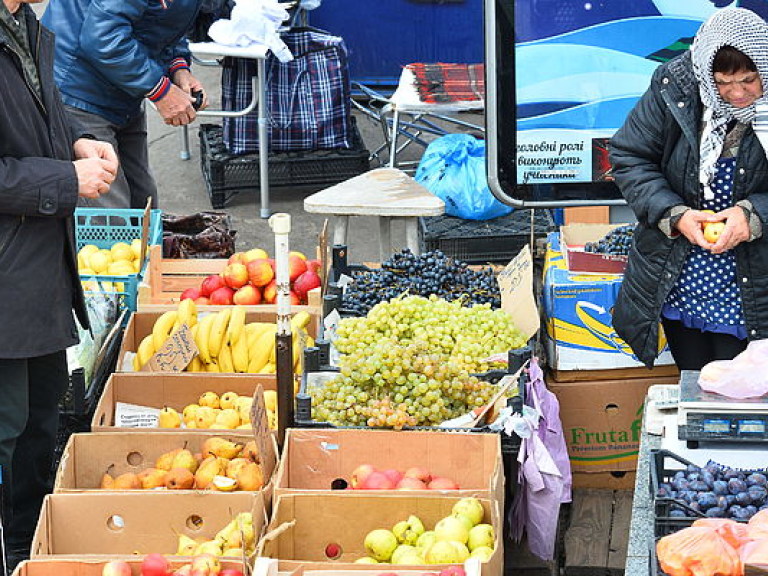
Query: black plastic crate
point(673, 514)
point(228, 174)
point(479, 241)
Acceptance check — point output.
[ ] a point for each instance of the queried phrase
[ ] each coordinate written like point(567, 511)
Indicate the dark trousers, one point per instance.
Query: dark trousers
point(30, 391)
point(692, 348)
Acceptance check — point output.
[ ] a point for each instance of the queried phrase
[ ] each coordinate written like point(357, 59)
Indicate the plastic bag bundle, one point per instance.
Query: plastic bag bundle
point(745, 376)
point(201, 235)
point(698, 551)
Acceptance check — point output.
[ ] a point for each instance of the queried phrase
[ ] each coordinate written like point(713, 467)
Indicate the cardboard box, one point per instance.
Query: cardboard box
point(303, 525)
point(575, 236)
point(83, 567)
point(141, 324)
point(122, 524)
point(577, 310)
point(602, 421)
point(604, 480)
point(175, 390)
point(312, 459)
point(167, 278)
point(88, 456)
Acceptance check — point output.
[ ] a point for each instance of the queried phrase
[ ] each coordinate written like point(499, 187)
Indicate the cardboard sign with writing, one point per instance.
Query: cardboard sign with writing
point(175, 354)
point(516, 287)
point(260, 425)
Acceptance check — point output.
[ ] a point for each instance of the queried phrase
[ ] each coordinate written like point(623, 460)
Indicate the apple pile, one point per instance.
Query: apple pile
point(249, 278)
point(453, 539)
point(221, 465)
point(122, 259)
point(368, 477)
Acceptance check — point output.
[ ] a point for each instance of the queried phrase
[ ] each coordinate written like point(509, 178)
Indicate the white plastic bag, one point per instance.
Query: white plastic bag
point(746, 376)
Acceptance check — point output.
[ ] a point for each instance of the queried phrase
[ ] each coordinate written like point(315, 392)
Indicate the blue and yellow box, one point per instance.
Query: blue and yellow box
point(577, 310)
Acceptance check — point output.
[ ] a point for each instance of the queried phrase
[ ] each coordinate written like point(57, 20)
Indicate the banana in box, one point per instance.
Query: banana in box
point(577, 309)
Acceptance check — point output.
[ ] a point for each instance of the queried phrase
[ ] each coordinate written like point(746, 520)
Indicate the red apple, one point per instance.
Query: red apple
point(440, 483)
point(202, 301)
point(377, 481)
point(191, 293)
point(237, 257)
point(360, 473)
point(155, 565)
point(297, 254)
point(333, 551)
point(260, 272)
point(231, 572)
point(235, 275)
point(116, 568)
point(211, 283)
point(295, 300)
point(418, 472)
point(393, 474)
point(270, 292)
point(222, 296)
point(247, 295)
point(453, 570)
point(314, 265)
point(254, 254)
point(411, 484)
point(296, 267)
point(306, 282)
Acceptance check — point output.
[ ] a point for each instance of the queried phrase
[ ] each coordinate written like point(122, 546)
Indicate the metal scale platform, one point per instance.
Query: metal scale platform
point(708, 417)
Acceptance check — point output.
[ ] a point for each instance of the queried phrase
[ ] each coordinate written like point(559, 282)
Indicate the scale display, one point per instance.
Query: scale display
point(704, 416)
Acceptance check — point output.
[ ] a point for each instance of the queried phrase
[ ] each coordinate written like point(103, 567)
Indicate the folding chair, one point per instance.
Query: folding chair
point(419, 107)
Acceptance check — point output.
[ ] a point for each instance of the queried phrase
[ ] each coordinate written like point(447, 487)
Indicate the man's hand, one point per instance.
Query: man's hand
point(87, 148)
point(183, 79)
point(94, 176)
point(176, 107)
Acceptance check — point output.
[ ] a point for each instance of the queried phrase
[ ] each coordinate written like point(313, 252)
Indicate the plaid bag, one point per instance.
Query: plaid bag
point(308, 99)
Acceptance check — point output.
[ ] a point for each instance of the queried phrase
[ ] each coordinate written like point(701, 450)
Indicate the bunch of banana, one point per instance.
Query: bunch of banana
point(166, 324)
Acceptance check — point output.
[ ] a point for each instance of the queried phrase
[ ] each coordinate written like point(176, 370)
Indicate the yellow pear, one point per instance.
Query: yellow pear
point(209, 547)
point(207, 471)
point(228, 400)
point(164, 461)
point(205, 417)
point(225, 534)
point(251, 451)
point(221, 447)
point(245, 523)
point(152, 478)
point(179, 479)
point(210, 399)
point(234, 465)
point(233, 552)
point(187, 546)
point(250, 477)
point(107, 482)
point(127, 481)
point(270, 400)
point(243, 407)
point(184, 459)
point(227, 418)
point(188, 414)
point(244, 426)
point(169, 418)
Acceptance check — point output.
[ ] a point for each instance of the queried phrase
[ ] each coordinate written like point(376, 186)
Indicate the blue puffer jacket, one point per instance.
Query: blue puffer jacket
point(111, 53)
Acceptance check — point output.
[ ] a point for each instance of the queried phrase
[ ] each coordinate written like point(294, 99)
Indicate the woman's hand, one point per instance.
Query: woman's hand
point(735, 232)
point(690, 226)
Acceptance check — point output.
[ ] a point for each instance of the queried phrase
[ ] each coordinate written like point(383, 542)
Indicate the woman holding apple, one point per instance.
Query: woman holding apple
point(691, 162)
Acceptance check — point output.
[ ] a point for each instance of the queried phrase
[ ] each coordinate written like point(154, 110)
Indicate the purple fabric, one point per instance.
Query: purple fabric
point(544, 474)
point(308, 98)
point(672, 313)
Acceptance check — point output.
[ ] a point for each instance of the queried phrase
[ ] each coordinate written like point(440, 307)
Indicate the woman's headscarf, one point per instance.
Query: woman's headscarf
point(748, 33)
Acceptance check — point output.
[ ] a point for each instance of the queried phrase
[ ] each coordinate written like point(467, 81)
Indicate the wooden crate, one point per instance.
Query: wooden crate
point(167, 278)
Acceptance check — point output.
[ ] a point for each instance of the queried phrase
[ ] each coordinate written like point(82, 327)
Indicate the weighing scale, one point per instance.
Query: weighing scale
point(705, 416)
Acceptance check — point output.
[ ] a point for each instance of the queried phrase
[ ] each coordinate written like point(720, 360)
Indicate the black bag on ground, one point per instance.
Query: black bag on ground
point(201, 235)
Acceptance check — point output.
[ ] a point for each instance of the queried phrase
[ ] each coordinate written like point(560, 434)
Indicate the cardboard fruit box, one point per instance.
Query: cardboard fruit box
point(141, 324)
point(83, 567)
point(304, 525)
point(98, 524)
point(176, 390)
point(315, 460)
point(573, 238)
point(167, 278)
point(88, 456)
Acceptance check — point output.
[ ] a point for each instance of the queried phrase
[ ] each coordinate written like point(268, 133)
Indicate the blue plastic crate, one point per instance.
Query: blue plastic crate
point(104, 227)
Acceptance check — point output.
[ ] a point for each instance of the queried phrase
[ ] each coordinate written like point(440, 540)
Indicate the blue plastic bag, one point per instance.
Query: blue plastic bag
point(453, 168)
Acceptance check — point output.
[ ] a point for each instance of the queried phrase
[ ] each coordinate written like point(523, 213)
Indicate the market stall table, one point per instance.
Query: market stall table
point(388, 193)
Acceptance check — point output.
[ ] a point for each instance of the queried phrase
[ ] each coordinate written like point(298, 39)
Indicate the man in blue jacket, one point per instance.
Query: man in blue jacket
point(110, 56)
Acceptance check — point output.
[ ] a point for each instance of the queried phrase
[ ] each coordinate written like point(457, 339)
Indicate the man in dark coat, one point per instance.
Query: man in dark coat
point(45, 165)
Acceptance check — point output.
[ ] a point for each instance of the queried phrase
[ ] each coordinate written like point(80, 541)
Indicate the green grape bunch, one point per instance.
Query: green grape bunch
point(409, 363)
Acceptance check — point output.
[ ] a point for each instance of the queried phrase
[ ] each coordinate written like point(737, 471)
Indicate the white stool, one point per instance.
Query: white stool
point(388, 193)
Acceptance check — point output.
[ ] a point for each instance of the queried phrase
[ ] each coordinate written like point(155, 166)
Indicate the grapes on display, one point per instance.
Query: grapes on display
point(425, 275)
point(409, 363)
point(617, 242)
point(715, 491)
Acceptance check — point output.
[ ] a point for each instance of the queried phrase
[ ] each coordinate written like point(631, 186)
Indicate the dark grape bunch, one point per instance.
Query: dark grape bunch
point(716, 491)
point(430, 273)
point(616, 242)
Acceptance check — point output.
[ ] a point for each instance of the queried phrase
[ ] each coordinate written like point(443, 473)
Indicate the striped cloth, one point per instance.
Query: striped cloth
point(443, 83)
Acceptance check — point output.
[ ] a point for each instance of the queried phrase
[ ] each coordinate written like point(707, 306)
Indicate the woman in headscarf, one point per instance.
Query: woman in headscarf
point(692, 155)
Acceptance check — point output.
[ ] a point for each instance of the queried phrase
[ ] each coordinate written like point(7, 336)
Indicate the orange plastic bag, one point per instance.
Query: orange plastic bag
point(698, 551)
point(735, 533)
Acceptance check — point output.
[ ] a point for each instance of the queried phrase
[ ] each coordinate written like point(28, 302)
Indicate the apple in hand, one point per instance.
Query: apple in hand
point(712, 231)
